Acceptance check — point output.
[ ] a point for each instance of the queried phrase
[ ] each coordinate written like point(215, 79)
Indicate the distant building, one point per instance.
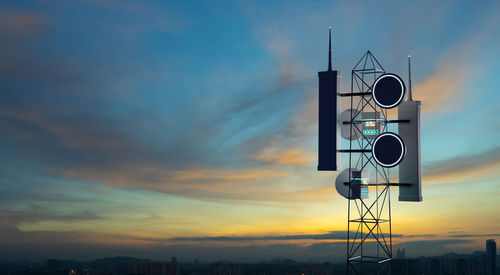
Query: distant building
point(225, 269)
point(423, 263)
point(413, 267)
point(318, 269)
point(478, 263)
point(448, 263)
point(491, 257)
point(462, 267)
point(154, 268)
point(435, 266)
point(399, 266)
point(400, 254)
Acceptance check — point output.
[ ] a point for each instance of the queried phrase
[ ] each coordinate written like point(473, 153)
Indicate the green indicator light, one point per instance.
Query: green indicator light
point(369, 123)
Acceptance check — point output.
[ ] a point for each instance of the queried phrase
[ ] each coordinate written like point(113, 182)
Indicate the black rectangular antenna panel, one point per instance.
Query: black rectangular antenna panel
point(329, 82)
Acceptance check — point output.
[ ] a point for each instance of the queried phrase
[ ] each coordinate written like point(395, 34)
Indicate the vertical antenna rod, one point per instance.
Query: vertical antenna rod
point(330, 50)
point(409, 79)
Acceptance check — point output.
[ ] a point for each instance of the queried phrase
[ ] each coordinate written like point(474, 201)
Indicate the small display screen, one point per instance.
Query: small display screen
point(371, 124)
point(370, 128)
point(370, 132)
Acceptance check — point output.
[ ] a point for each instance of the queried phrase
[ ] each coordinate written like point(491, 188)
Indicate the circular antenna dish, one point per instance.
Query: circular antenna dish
point(342, 188)
point(388, 149)
point(388, 91)
point(345, 128)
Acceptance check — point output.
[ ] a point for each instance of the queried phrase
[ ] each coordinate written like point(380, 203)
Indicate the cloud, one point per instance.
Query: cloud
point(244, 185)
point(442, 91)
point(64, 117)
point(60, 140)
point(463, 166)
point(446, 89)
point(186, 175)
point(18, 24)
point(148, 176)
point(292, 157)
point(11, 236)
point(18, 29)
point(129, 16)
point(332, 235)
point(62, 126)
point(473, 235)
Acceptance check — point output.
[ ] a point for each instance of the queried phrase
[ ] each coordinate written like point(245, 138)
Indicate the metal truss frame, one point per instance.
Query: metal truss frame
point(369, 246)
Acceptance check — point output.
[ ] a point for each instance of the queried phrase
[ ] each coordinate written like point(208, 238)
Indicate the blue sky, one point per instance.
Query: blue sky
point(127, 125)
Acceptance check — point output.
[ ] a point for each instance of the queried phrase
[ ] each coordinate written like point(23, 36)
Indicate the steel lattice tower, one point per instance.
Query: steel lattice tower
point(369, 234)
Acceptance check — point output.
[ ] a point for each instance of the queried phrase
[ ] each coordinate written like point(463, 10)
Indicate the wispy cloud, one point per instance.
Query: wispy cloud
point(37, 213)
point(18, 24)
point(442, 91)
point(244, 185)
point(188, 175)
point(332, 235)
point(66, 140)
point(463, 166)
point(293, 157)
point(474, 235)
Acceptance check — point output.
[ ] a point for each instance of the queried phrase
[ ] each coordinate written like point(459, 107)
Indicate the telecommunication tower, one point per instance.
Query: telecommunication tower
point(375, 143)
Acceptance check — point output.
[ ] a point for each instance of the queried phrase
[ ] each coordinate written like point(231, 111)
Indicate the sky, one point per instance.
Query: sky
point(189, 129)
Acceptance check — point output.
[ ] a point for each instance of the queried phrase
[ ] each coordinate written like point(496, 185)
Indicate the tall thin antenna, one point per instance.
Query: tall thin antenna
point(410, 98)
point(330, 50)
